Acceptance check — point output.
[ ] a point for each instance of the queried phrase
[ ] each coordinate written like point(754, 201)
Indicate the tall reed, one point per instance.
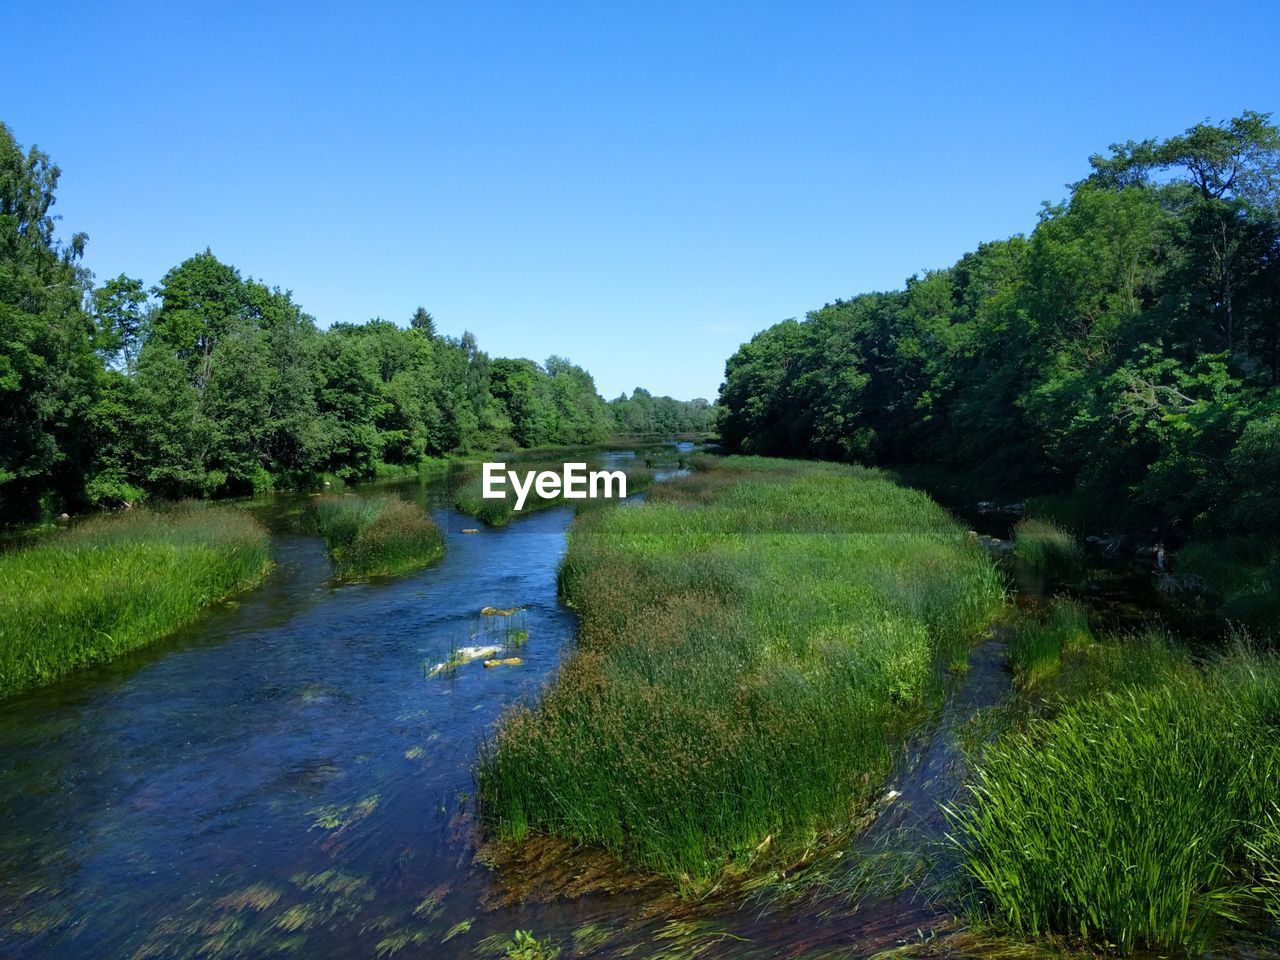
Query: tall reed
point(1130, 818)
point(376, 536)
point(1045, 555)
point(753, 641)
point(114, 583)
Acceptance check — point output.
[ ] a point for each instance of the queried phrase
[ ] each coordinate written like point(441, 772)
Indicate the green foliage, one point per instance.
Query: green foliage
point(1036, 644)
point(771, 626)
point(118, 582)
point(1127, 351)
point(47, 363)
point(1242, 574)
point(525, 946)
point(376, 536)
point(1130, 818)
point(213, 383)
point(643, 414)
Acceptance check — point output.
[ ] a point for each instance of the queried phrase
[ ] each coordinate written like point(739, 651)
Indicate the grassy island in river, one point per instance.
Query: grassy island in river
point(753, 640)
point(376, 536)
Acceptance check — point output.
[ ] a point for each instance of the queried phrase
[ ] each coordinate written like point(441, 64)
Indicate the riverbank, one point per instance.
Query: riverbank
point(117, 582)
point(1122, 797)
point(1210, 575)
point(772, 626)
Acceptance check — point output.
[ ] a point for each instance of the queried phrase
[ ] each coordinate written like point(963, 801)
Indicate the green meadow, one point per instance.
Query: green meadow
point(117, 582)
point(376, 536)
point(754, 640)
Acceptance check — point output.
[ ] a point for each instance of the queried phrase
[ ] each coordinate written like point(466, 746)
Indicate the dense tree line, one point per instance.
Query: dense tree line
point(1128, 349)
point(643, 413)
point(215, 383)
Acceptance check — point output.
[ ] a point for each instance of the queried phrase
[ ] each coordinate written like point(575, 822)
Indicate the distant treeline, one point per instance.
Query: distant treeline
point(643, 413)
point(213, 383)
point(1127, 350)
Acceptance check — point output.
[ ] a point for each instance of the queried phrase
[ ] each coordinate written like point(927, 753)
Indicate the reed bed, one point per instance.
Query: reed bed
point(754, 640)
point(114, 583)
point(1143, 816)
point(376, 536)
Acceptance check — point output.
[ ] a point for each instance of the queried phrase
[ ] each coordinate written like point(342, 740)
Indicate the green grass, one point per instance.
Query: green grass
point(1140, 816)
point(119, 582)
point(753, 641)
point(1045, 555)
point(1036, 643)
point(1264, 857)
point(376, 536)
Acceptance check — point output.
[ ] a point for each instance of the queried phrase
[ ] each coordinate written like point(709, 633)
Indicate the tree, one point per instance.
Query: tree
point(120, 315)
point(48, 370)
point(424, 323)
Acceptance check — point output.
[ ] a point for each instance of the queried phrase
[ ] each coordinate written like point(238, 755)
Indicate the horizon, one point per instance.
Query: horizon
point(638, 191)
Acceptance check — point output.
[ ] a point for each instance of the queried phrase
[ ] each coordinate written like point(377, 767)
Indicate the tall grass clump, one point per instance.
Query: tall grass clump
point(1036, 644)
point(1045, 555)
point(1134, 818)
point(753, 641)
point(376, 536)
point(114, 583)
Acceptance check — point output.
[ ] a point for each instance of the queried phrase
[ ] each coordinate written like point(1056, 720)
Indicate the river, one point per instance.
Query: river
point(284, 778)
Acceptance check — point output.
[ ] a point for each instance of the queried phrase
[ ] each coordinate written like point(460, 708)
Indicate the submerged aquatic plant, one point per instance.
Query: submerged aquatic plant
point(114, 583)
point(521, 945)
point(754, 639)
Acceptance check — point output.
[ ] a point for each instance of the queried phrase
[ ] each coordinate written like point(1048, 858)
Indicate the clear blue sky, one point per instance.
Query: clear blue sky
point(638, 186)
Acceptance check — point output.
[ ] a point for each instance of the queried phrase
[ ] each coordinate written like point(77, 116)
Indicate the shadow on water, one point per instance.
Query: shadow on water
point(285, 779)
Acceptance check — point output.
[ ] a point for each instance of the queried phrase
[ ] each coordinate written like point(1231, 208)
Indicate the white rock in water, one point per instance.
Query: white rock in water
point(463, 655)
